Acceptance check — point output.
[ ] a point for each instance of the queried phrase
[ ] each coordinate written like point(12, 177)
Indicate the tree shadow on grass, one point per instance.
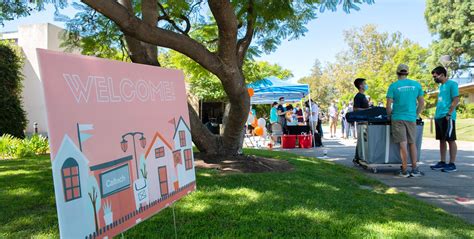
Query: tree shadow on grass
point(317, 200)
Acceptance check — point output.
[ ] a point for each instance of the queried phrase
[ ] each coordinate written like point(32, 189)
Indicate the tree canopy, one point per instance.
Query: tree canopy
point(452, 23)
point(372, 55)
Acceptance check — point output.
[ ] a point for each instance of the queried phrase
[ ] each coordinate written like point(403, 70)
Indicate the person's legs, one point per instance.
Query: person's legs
point(399, 136)
point(413, 155)
point(342, 128)
point(403, 155)
point(453, 150)
point(442, 150)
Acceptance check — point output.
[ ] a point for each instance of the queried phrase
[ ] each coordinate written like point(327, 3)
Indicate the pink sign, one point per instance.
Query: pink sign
point(120, 140)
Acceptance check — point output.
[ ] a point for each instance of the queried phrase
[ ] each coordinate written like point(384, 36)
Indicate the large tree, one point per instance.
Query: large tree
point(452, 23)
point(238, 25)
point(150, 23)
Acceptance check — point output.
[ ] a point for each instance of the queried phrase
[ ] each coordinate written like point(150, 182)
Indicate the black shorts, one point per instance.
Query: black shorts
point(445, 129)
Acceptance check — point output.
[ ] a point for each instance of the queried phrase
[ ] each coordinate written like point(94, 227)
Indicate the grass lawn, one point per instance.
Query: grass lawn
point(464, 129)
point(317, 200)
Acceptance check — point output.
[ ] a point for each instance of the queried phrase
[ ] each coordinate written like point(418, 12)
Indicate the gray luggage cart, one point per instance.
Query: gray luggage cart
point(375, 148)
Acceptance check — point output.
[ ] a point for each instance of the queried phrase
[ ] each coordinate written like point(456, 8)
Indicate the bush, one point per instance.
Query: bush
point(466, 111)
point(13, 117)
point(12, 147)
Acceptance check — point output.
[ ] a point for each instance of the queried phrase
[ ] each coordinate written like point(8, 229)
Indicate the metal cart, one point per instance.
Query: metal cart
point(375, 148)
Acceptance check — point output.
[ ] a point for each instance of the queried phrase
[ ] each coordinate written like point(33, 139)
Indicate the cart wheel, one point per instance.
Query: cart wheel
point(374, 170)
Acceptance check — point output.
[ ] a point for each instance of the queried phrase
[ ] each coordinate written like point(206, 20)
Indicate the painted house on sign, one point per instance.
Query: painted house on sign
point(184, 153)
point(161, 168)
point(71, 185)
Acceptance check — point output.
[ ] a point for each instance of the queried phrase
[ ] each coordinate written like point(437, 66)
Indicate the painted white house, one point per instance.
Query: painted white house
point(71, 185)
point(28, 38)
point(160, 168)
point(184, 146)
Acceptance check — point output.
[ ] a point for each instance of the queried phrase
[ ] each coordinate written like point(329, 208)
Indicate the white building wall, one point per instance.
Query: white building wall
point(30, 37)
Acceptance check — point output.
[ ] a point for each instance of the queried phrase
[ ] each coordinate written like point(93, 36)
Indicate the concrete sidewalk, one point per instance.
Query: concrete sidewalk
point(454, 192)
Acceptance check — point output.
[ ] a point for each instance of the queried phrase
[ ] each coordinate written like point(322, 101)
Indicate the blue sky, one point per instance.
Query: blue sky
point(324, 38)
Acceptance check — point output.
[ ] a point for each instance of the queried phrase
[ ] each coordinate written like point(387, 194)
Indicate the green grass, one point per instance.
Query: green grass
point(317, 200)
point(464, 129)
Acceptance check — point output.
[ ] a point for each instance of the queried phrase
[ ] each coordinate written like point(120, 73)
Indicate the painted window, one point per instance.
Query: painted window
point(163, 177)
point(188, 159)
point(177, 157)
point(182, 138)
point(71, 180)
point(160, 152)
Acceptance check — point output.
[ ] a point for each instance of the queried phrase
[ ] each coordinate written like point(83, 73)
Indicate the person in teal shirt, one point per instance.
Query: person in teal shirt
point(273, 113)
point(407, 98)
point(445, 118)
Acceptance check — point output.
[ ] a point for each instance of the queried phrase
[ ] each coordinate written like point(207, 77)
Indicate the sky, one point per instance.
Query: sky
point(324, 38)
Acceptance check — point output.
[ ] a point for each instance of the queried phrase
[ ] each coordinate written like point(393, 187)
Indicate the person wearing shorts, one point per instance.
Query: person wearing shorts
point(407, 98)
point(445, 119)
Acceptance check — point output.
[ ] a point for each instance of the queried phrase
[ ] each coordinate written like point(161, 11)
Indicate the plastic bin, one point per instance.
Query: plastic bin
point(305, 140)
point(288, 141)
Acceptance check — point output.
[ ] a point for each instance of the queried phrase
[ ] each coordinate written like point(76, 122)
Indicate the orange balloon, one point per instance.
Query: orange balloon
point(251, 92)
point(258, 131)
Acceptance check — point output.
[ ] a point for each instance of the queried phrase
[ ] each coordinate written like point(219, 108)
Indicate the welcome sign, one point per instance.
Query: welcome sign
point(121, 146)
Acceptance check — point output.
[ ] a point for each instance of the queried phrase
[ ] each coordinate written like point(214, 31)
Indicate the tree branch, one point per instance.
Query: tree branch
point(223, 12)
point(244, 43)
point(167, 18)
point(134, 27)
point(150, 17)
point(137, 52)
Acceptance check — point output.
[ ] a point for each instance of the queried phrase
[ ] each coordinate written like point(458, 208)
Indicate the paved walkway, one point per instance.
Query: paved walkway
point(445, 190)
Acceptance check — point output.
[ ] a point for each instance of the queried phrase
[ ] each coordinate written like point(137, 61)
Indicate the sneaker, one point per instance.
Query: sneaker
point(449, 168)
point(403, 174)
point(416, 172)
point(438, 166)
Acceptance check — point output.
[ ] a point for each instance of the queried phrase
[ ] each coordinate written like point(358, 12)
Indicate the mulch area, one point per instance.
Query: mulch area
point(243, 164)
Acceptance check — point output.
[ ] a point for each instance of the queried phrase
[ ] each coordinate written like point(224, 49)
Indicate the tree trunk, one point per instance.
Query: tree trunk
point(226, 63)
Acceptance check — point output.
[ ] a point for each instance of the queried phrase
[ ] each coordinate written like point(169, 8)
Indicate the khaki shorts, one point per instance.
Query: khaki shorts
point(403, 131)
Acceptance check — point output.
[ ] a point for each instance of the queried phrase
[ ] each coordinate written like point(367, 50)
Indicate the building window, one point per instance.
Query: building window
point(71, 180)
point(163, 177)
point(188, 159)
point(159, 152)
point(177, 157)
point(182, 138)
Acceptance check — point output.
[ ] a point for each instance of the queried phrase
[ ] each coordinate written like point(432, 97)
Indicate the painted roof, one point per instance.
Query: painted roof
point(157, 135)
point(181, 120)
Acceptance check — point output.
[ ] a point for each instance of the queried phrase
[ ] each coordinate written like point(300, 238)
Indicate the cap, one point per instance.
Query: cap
point(402, 68)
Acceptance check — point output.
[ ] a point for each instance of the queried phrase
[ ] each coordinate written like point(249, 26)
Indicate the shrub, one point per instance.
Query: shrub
point(12, 147)
point(13, 117)
point(466, 111)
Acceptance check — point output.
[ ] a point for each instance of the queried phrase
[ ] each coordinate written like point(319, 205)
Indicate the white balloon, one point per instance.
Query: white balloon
point(250, 119)
point(261, 122)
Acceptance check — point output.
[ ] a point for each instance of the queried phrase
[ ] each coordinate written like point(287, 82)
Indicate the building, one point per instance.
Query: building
point(28, 38)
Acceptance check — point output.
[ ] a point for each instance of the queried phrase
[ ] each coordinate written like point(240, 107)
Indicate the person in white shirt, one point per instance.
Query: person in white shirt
point(333, 119)
point(312, 117)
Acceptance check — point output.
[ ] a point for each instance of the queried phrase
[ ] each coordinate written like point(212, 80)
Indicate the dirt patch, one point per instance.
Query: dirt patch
point(243, 164)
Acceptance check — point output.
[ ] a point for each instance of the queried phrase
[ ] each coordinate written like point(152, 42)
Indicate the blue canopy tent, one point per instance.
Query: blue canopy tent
point(269, 89)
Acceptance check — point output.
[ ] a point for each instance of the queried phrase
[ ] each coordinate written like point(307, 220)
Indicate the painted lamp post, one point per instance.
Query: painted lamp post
point(140, 189)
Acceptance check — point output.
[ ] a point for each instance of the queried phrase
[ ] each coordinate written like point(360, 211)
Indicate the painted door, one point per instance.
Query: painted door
point(163, 177)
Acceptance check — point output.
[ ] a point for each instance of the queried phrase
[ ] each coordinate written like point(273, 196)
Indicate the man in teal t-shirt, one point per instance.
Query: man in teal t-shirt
point(273, 113)
point(445, 118)
point(407, 98)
